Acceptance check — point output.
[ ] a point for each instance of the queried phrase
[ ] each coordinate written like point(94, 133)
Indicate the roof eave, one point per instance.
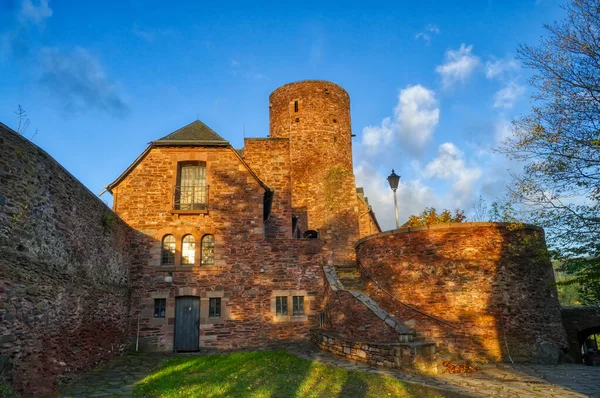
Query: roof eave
point(189, 143)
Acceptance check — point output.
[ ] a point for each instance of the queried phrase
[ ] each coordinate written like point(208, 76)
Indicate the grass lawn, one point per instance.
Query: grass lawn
point(267, 374)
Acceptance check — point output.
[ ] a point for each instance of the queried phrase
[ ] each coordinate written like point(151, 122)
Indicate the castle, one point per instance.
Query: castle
point(212, 246)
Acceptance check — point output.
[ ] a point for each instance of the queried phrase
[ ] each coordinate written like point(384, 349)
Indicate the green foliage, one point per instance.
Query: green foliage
point(430, 216)
point(267, 374)
point(567, 287)
point(109, 219)
point(558, 143)
point(6, 391)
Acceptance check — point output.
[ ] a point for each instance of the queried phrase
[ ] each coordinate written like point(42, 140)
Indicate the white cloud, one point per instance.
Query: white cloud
point(413, 196)
point(459, 66)
point(426, 34)
point(415, 118)
point(78, 81)
point(35, 14)
point(502, 130)
point(450, 165)
point(501, 67)
point(507, 96)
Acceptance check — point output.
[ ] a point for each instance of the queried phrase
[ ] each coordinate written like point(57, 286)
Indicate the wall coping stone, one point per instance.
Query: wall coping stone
point(344, 339)
point(448, 226)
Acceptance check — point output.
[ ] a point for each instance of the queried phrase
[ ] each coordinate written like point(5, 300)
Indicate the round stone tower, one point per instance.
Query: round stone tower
point(315, 116)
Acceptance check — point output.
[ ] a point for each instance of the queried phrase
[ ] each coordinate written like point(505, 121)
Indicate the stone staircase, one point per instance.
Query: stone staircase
point(350, 278)
point(410, 353)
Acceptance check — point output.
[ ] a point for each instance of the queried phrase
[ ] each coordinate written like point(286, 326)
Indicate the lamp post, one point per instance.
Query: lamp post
point(394, 179)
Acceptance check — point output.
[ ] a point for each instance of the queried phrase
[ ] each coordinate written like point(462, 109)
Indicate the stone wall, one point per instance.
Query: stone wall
point(366, 219)
point(64, 270)
point(270, 160)
point(492, 281)
point(349, 317)
point(416, 357)
point(315, 117)
point(251, 267)
point(247, 283)
point(580, 322)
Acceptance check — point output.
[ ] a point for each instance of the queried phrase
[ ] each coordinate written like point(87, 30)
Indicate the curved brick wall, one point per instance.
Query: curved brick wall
point(315, 116)
point(492, 280)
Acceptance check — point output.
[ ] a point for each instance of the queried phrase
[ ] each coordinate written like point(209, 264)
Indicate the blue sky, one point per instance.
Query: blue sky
point(433, 84)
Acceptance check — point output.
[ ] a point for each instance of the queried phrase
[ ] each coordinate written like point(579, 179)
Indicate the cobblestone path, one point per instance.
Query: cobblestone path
point(118, 378)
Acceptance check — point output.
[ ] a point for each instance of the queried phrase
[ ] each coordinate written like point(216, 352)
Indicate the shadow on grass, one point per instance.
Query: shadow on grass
point(268, 374)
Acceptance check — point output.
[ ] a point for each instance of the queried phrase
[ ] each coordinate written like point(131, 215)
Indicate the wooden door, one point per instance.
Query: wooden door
point(187, 324)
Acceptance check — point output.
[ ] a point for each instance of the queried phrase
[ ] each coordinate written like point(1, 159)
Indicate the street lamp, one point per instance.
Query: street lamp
point(394, 179)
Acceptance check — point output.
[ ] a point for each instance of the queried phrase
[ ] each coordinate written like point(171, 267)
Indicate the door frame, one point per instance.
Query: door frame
point(177, 298)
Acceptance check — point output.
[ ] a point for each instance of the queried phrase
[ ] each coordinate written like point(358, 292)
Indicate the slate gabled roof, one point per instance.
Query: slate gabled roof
point(194, 134)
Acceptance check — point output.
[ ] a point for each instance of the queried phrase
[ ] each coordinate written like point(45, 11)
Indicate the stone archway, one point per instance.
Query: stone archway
point(579, 323)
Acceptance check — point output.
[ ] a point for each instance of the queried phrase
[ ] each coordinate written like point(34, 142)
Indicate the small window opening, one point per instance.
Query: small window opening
point(321, 319)
point(335, 120)
point(294, 225)
point(281, 306)
point(298, 305)
point(295, 106)
point(311, 234)
point(297, 119)
point(214, 307)
point(168, 250)
point(159, 308)
point(188, 250)
point(326, 91)
point(208, 250)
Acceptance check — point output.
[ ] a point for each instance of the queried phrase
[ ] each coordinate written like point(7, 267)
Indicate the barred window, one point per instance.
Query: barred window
point(188, 250)
point(298, 305)
point(214, 307)
point(159, 308)
point(208, 250)
point(191, 192)
point(168, 250)
point(281, 305)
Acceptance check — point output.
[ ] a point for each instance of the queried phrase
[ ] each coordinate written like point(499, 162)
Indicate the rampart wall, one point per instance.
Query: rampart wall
point(64, 271)
point(494, 282)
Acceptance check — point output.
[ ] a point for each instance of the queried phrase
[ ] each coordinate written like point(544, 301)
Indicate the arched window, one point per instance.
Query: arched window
point(208, 249)
point(188, 250)
point(168, 250)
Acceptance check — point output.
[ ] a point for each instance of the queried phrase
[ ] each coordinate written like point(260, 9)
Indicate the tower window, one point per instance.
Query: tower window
point(295, 106)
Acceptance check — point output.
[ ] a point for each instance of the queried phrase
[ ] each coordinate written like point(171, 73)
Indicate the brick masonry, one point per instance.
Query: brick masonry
point(315, 117)
point(412, 357)
point(253, 264)
point(493, 281)
point(580, 322)
point(64, 275)
point(79, 282)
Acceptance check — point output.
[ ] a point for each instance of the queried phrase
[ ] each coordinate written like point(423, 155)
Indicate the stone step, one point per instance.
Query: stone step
point(348, 272)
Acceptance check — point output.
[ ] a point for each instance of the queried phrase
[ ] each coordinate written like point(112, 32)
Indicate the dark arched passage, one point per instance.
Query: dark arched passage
point(588, 340)
point(579, 323)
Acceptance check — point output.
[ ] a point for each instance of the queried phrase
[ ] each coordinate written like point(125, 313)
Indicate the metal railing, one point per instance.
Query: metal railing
point(190, 197)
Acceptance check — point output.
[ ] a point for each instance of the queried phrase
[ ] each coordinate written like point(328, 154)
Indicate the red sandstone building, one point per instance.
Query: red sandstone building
point(237, 239)
point(255, 245)
point(213, 246)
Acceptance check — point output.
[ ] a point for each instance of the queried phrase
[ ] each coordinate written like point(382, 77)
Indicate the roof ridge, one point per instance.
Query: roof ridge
point(194, 133)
